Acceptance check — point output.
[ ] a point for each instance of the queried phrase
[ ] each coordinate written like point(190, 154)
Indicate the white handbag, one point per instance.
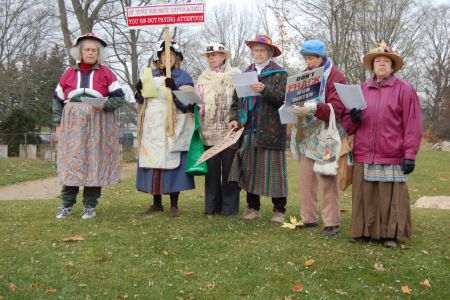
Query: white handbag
point(330, 146)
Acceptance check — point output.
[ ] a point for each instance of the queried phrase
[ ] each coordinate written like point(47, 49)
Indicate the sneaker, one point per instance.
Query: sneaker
point(153, 209)
point(174, 212)
point(251, 214)
point(331, 230)
point(88, 213)
point(278, 217)
point(64, 212)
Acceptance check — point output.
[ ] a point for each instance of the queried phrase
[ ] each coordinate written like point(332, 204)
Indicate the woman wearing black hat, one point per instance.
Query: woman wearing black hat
point(164, 132)
point(88, 146)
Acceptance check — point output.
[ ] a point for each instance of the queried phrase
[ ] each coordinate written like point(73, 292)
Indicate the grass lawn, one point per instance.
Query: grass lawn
point(125, 255)
point(15, 170)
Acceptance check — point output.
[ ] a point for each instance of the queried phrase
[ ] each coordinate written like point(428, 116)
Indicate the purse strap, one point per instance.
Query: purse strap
point(332, 122)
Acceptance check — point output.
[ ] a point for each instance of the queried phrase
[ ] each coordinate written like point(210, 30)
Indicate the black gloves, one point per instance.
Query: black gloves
point(408, 166)
point(355, 115)
point(190, 107)
point(170, 83)
point(138, 95)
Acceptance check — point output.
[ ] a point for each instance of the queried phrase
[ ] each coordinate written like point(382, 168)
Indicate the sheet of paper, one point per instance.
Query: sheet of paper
point(94, 101)
point(242, 83)
point(286, 115)
point(351, 95)
point(188, 97)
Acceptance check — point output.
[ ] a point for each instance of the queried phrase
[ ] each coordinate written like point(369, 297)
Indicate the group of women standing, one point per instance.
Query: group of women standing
point(387, 137)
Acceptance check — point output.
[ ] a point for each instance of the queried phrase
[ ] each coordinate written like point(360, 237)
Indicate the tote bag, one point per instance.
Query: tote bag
point(330, 146)
point(196, 150)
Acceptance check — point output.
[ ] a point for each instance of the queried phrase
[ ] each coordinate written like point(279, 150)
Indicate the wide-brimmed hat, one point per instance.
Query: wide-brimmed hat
point(383, 50)
point(161, 45)
point(265, 40)
point(314, 48)
point(216, 47)
point(89, 36)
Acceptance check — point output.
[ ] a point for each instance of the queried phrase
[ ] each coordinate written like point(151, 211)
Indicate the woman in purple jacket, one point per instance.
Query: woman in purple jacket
point(387, 138)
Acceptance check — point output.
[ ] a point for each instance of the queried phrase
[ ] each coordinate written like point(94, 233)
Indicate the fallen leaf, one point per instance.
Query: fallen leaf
point(70, 264)
point(379, 267)
point(291, 263)
point(426, 284)
point(310, 262)
point(12, 287)
point(288, 225)
point(403, 246)
point(51, 292)
point(297, 288)
point(210, 217)
point(340, 292)
point(35, 284)
point(424, 252)
point(406, 290)
point(189, 274)
point(76, 238)
point(292, 224)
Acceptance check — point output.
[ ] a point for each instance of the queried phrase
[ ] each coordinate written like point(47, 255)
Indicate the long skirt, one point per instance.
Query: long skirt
point(88, 147)
point(379, 209)
point(259, 171)
point(159, 181)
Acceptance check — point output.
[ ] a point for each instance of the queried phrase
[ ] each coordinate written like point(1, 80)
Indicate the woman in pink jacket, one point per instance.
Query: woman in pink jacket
point(387, 138)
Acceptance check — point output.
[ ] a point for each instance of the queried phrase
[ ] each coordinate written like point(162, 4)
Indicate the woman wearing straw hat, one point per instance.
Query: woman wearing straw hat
point(259, 166)
point(88, 143)
point(314, 114)
point(387, 139)
point(161, 165)
point(215, 86)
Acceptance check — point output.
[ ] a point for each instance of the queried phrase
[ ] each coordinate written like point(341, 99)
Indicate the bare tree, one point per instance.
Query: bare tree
point(435, 61)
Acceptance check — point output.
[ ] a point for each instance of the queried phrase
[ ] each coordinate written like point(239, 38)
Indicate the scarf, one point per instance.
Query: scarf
point(249, 103)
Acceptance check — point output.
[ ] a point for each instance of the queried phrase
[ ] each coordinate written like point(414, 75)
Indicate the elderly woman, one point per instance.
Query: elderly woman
point(259, 166)
point(215, 86)
point(387, 138)
point(306, 142)
point(161, 170)
point(88, 136)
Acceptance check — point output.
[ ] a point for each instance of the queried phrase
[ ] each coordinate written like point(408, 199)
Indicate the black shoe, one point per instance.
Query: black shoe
point(153, 209)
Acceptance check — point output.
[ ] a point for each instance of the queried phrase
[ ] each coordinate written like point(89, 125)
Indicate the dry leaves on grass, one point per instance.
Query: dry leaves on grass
point(297, 288)
point(76, 238)
point(12, 287)
point(380, 268)
point(189, 274)
point(310, 262)
point(207, 287)
point(292, 224)
point(70, 264)
point(425, 284)
point(406, 290)
point(51, 291)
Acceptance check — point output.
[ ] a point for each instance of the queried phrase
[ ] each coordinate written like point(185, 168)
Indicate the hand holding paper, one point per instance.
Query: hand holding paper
point(351, 95)
point(243, 84)
point(188, 97)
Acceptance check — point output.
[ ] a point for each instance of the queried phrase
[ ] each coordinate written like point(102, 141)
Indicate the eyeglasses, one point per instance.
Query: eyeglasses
point(259, 50)
point(94, 50)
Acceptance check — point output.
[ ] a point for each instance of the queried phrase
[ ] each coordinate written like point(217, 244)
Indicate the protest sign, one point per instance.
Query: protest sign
point(303, 87)
point(230, 139)
point(165, 15)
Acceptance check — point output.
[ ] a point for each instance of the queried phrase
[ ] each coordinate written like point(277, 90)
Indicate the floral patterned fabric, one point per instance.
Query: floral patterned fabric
point(88, 147)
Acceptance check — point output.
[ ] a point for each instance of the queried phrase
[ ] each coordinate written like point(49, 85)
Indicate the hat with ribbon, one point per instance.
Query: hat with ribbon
point(216, 47)
point(383, 50)
point(265, 40)
point(89, 36)
point(313, 48)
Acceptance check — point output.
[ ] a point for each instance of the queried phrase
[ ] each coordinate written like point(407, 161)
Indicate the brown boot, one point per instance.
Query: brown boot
point(174, 212)
point(153, 209)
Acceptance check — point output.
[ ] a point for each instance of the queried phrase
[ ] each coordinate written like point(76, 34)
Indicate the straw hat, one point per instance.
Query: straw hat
point(265, 40)
point(216, 47)
point(383, 50)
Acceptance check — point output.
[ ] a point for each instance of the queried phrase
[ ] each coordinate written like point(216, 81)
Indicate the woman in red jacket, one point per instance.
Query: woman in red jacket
point(387, 138)
point(314, 113)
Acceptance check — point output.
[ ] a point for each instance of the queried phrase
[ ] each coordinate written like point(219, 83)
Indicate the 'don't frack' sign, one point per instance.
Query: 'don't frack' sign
point(165, 15)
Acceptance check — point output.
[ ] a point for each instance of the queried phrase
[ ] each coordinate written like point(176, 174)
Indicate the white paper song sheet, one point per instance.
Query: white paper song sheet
point(286, 115)
point(188, 97)
point(351, 95)
point(94, 101)
point(242, 83)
